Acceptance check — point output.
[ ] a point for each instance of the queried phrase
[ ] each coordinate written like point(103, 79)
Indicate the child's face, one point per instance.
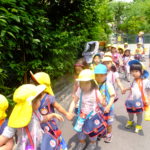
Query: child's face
point(108, 64)
point(85, 85)
point(114, 50)
point(96, 60)
point(37, 102)
point(100, 78)
point(127, 53)
point(78, 69)
point(136, 74)
point(138, 45)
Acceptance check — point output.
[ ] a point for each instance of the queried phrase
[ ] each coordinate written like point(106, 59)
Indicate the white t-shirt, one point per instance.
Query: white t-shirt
point(112, 76)
point(136, 92)
point(88, 100)
point(35, 131)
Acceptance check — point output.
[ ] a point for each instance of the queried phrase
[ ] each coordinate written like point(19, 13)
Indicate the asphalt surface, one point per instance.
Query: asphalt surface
point(123, 139)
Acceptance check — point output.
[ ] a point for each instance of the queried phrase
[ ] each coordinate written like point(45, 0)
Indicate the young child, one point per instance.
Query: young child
point(48, 96)
point(24, 120)
point(115, 54)
point(112, 76)
point(3, 122)
point(125, 46)
point(126, 58)
point(89, 93)
point(108, 47)
point(136, 101)
point(108, 93)
point(48, 104)
point(78, 67)
point(96, 61)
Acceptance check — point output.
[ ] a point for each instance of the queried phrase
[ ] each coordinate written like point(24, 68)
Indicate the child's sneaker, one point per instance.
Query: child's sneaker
point(80, 146)
point(129, 124)
point(108, 138)
point(91, 146)
point(138, 128)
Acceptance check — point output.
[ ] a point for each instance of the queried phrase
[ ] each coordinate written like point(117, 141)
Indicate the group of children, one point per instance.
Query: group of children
point(32, 124)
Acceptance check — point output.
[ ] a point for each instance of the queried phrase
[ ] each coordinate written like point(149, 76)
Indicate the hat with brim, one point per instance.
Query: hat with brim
point(22, 112)
point(106, 59)
point(100, 69)
point(3, 106)
point(145, 72)
point(43, 78)
point(108, 54)
point(86, 75)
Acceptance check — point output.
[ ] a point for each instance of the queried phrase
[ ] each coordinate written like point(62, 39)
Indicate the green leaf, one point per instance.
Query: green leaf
point(36, 41)
point(11, 34)
point(3, 20)
point(3, 32)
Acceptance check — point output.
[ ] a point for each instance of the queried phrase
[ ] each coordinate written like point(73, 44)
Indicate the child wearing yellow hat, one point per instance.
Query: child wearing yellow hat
point(89, 97)
point(24, 120)
point(3, 121)
point(47, 106)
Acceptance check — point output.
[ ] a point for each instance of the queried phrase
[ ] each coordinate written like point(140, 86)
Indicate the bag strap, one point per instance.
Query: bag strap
point(80, 104)
point(29, 136)
point(98, 103)
point(140, 85)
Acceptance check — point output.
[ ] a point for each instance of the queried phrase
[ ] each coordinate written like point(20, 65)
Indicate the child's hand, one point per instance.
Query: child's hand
point(107, 109)
point(69, 116)
point(59, 117)
point(123, 91)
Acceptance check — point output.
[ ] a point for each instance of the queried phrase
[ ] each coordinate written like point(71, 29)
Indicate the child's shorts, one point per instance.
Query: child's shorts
point(109, 117)
point(82, 136)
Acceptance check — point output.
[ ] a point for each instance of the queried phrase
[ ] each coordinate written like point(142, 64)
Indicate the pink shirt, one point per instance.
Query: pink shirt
point(88, 100)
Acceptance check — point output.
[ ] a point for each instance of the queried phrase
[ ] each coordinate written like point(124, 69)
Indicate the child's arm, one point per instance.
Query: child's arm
point(101, 99)
point(52, 116)
point(62, 110)
point(9, 144)
point(107, 108)
point(73, 104)
point(120, 85)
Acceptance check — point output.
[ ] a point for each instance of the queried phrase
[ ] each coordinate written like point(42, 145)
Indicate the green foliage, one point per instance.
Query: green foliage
point(47, 36)
point(131, 17)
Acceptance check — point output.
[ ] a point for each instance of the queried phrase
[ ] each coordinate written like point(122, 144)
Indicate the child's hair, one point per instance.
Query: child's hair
point(125, 52)
point(93, 85)
point(136, 67)
point(96, 55)
point(81, 62)
point(113, 68)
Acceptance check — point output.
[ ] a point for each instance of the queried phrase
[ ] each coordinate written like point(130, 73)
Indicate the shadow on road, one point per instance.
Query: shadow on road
point(121, 126)
point(72, 143)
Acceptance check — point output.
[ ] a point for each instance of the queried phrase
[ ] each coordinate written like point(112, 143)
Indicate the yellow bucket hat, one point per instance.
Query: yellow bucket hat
point(43, 78)
point(23, 97)
point(107, 59)
point(86, 75)
point(3, 107)
point(108, 54)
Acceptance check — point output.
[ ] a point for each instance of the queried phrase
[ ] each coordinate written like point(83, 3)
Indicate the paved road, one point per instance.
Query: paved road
point(123, 139)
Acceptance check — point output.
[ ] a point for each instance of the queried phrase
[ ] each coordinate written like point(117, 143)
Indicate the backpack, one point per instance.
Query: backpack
point(52, 138)
point(94, 125)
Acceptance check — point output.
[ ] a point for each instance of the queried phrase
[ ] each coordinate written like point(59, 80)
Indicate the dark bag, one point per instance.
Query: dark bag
point(94, 125)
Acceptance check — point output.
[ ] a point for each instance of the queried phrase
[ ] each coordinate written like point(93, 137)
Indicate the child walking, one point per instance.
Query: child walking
point(126, 58)
point(25, 120)
point(136, 101)
point(112, 75)
point(96, 61)
point(3, 122)
point(87, 94)
point(107, 91)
